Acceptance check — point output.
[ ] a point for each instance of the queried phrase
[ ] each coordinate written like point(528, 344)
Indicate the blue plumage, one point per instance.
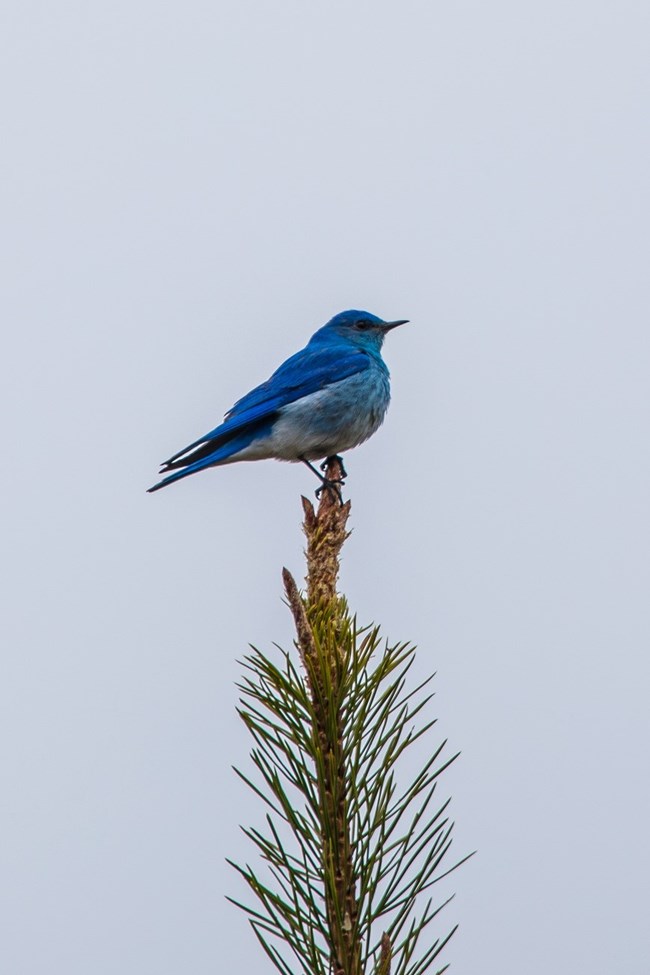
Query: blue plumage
point(325, 399)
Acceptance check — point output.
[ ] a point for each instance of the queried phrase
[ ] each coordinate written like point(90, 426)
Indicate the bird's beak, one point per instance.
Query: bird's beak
point(388, 325)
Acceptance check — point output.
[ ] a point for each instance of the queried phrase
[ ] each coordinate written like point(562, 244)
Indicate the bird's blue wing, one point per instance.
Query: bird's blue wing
point(304, 373)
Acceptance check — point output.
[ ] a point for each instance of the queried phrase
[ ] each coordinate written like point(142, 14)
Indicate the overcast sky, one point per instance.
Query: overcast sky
point(188, 191)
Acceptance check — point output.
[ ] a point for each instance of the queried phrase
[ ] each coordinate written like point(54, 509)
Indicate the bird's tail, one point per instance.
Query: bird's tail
point(222, 455)
point(177, 476)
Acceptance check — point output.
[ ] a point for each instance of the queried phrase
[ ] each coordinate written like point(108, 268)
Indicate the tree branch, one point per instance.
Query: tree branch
point(326, 533)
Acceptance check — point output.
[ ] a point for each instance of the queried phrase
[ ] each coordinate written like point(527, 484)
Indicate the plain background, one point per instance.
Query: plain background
point(188, 191)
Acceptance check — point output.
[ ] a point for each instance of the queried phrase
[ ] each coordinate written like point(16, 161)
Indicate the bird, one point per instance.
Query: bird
point(324, 400)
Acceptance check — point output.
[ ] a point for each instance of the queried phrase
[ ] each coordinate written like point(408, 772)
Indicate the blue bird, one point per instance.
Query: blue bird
point(325, 399)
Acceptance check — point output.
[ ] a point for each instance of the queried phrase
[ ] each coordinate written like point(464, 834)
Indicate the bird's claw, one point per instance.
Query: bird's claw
point(333, 486)
point(328, 460)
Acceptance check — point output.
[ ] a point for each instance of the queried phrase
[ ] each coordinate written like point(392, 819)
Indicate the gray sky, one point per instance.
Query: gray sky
point(188, 191)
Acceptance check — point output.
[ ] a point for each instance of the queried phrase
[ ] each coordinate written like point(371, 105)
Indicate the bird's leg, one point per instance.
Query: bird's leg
point(328, 460)
point(327, 484)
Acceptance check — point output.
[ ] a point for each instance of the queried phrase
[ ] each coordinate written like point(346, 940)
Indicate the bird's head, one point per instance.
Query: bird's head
point(358, 327)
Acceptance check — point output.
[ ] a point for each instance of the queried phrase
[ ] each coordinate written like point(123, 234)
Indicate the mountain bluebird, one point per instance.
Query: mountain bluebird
point(324, 400)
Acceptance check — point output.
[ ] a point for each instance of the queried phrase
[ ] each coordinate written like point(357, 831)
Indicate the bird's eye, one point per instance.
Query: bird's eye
point(363, 324)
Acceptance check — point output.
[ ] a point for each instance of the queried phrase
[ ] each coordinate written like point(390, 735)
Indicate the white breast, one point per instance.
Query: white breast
point(327, 422)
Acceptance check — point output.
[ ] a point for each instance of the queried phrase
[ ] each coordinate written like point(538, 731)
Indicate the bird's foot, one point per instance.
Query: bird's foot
point(335, 457)
point(333, 486)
